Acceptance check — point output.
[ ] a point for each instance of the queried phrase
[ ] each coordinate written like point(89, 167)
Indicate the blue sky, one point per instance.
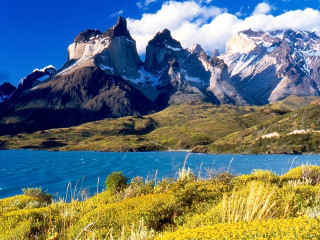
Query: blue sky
point(36, 33)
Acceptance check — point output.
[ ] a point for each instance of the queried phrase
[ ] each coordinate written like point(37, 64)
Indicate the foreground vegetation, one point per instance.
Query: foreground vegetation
point(202, 127)
point(261, 205)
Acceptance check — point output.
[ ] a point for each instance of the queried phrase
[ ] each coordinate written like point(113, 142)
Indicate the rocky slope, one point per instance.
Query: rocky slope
point(89, 87)
point(85, 95)
point(271, 66)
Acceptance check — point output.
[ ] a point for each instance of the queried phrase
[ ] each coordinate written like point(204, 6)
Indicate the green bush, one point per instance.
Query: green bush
point(42, 197)
point(116, 182)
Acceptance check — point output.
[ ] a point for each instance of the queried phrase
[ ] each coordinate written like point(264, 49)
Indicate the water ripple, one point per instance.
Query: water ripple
point(54, 170)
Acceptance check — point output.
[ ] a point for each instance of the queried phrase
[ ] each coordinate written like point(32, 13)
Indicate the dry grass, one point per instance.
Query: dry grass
point(256, 205)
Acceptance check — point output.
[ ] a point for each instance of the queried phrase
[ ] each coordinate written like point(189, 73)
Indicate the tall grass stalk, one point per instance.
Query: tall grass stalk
point(86, 229)
point(257, 205)
point(185, 173)
point(155, 178)
point(230, 164)
point(200, 172)
point(185, 161)
point(292, 162)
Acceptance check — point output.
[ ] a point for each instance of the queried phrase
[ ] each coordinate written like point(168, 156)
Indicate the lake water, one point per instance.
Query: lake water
point(86, 171)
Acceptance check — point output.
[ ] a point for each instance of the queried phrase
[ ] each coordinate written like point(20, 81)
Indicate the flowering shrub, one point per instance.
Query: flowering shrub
point(260, 205)
point(259, 174)
point(296, 228)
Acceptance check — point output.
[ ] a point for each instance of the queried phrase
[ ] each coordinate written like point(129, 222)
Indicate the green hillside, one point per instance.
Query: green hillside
point(295, 132)
point(202, 127)
point(177, 127)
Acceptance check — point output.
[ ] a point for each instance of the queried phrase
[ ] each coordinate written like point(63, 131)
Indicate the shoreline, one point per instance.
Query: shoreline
point(171, 150)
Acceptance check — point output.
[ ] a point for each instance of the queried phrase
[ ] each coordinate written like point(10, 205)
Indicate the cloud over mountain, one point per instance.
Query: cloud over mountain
point(196, 22)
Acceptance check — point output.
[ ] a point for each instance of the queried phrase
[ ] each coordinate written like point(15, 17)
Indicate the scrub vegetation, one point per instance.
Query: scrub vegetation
point(260, 205)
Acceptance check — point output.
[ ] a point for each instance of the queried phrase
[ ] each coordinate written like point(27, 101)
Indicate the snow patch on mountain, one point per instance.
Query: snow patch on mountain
point(173, 48)
point(146, 78)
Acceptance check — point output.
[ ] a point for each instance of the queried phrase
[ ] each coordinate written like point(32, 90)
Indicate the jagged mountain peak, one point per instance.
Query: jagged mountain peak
point(196, 49)
point(164, 39)
point(160, 50)
point(119, 30)
point(270, 66)
point(299, 35)
point(87, 35)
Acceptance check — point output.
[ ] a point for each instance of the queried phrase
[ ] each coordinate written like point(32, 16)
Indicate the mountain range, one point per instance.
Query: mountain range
point(104, 77)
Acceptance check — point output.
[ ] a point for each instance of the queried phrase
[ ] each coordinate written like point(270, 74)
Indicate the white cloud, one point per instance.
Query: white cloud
point(175, 16)
point(193, 22)
point(145, 3)
point(308, 19)
point(262, 8)
point(116, 14)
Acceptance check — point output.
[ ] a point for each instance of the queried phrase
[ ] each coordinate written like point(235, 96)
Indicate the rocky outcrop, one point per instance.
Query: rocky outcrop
point(215, 53)
point(87, 35)
point(119, 30)
point(87, 94)
point(35, 77)
point(196, 49)
point(6, 91)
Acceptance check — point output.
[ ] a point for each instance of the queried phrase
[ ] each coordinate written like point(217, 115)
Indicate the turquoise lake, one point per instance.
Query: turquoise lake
point(86, 171)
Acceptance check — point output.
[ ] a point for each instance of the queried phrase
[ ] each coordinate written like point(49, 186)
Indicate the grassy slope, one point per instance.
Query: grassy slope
point(177, 127)
point(250, 140)
point(201, 126)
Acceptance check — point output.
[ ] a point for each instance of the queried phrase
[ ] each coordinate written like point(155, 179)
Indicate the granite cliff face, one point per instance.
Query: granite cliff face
point(160, 50)
point(114, 51)
point(176, 75)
